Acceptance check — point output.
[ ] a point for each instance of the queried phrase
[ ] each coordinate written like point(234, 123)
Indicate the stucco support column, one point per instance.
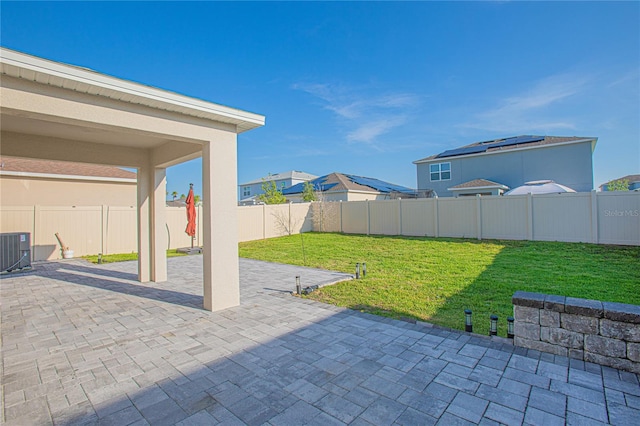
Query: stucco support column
point(158, 227)
point(152, 233)
point(221, 275)
point(144, 207)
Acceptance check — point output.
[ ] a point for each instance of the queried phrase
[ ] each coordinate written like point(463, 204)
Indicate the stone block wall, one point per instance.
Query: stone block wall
point(605, 333)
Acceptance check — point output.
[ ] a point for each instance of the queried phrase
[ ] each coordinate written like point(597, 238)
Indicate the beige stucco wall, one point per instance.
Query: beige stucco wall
point(23, 191)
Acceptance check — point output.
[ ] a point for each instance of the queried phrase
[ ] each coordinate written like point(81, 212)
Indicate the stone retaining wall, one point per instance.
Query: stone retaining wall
point(602, 332)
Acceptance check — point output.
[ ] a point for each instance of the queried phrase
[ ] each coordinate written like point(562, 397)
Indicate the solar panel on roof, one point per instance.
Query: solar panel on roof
point(378, 184)
point(318, 185)
point(516, 141)
point(463, 151)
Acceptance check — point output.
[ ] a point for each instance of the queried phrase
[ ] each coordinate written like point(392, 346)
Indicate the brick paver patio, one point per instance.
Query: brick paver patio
point(88, 344)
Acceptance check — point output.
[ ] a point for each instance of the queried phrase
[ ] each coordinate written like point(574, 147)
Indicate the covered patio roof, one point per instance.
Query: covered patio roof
point(56, 111)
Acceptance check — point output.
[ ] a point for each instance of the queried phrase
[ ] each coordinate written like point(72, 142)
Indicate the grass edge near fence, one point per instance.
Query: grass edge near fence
point(125, 257)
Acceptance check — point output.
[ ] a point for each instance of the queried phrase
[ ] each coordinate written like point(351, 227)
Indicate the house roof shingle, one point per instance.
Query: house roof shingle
point(335, 182)
point(63, 168)
point(292, 174)
point(499, 145)
point(479, 183)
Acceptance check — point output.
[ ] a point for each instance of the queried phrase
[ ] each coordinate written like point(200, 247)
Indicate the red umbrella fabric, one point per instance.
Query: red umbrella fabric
point(191, 214)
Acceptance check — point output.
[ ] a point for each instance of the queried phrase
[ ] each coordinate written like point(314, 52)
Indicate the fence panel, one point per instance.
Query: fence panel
point(355, 217)
point(250, 226)
point(120, 230)
point(327, 216)
point(418, 217)
point(504, 217)
point(619, 218)
point(17, 219)
point(384, 217)
point(79, 227)
point(176, 225)
point(276, 220)
point(301, 218)
point(457, 217)
point(562, 217)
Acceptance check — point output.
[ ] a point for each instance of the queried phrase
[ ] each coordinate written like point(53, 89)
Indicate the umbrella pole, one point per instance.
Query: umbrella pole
point(191, 242)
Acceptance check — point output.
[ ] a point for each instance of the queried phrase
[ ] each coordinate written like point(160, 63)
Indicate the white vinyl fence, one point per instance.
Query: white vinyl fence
point(113, 229)
point(591, 217)
point(596, 217)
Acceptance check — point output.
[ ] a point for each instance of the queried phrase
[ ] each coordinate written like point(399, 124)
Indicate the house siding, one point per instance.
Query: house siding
point(570, 165)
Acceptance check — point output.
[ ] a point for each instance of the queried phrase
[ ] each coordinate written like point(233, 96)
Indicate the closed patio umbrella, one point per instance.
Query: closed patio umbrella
point(191, 215)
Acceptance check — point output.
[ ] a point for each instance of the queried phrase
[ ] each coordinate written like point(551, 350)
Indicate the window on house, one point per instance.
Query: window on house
point(246, 191)
point(440, 171)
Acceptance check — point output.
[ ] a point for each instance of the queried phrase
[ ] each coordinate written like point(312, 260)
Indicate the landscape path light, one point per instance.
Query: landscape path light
point(493, 326)
point(298, 287)
point(468, 325)
point(510, 327)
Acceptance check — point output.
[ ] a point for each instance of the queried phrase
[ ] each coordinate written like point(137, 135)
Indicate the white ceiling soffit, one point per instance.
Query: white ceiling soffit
point(20, 65)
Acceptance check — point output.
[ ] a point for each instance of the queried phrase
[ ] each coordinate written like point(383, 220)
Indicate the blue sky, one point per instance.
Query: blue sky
point(367, 87)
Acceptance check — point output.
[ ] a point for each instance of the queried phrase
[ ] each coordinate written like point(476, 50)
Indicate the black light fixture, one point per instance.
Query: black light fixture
point(468, 325)
point(357, 271)
point(510, 327)
point(493, 327)
point(364, 270)
point(298, 287)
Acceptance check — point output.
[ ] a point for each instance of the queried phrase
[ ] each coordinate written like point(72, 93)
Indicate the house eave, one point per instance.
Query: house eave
point(67, 177)
point(23, 66)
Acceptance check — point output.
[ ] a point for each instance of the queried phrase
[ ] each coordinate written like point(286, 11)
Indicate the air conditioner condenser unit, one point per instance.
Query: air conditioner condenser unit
point(15, 251)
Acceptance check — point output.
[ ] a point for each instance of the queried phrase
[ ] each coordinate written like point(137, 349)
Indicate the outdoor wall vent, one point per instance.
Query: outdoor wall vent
point(15, 251)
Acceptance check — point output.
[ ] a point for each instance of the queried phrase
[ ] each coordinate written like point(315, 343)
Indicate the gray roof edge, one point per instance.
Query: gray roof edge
point(579, 139)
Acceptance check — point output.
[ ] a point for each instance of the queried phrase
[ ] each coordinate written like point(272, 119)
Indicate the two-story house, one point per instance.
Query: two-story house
point(493, 167)
point(250, 190)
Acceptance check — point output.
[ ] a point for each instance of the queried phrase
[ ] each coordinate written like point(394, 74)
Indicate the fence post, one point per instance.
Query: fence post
point(368, 219)
point(264, 221)
point(399, 216)
point(103, 228)
point(341, 229)
point(289, 217)
point(435, 218)
point(36, 219)
point(479, 216)
point(594, 217)
point(529, 217)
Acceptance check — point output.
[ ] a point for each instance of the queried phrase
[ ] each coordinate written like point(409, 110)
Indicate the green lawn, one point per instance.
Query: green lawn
point(434, 280)
point(123, 257)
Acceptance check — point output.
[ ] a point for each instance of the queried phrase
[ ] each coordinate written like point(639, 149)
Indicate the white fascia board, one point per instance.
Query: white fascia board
point(67, 177)
point(447, 159)
point(141, 93)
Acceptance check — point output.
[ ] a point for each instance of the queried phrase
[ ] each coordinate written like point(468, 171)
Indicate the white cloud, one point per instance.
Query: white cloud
point(364, 116)
point(535, 109)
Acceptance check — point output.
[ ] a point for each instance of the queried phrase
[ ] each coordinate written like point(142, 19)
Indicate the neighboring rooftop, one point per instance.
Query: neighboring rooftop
point(13, 166)
point(335, 182)
point(479, 183)
point(492, 146)
point(292, 174)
